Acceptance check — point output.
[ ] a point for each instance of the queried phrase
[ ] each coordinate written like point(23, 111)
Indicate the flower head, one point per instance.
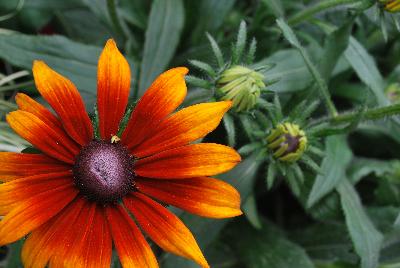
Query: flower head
point(81, 195)
point(390, 5)
point(241, 85)
point(287, 142)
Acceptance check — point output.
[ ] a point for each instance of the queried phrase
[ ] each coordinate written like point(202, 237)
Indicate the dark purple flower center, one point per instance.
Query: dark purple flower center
point(103, 171)
point(292, 142)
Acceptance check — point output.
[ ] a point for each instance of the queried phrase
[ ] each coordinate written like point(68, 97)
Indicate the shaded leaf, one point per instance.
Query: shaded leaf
point(163, 32)
point(366, 238)
point(338, 156)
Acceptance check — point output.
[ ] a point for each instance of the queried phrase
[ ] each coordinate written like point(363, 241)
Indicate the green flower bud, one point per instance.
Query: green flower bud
point(393, 92)
point(390, 5)
point(287, 142)
point(242, 86)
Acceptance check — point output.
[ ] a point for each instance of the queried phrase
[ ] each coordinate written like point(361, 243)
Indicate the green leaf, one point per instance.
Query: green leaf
point(365, 67)
point(229, 125)
point(338, 156)
point(331, 244)
point(366, 238)
point(335, 44)
point(76, 61)
point(216, 50)
point(263, 248)
point(249, 208)
point(240, 43)
point(210, 15)
point(361, 167)
point(163, 33)
point(275, 6)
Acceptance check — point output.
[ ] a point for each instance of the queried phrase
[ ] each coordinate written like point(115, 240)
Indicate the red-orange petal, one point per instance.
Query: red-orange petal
point(17, 165)
point(164, 228)
point(113, 82)
point(33, 212)
point(94, 248)
point(203, 196)
point(45, 241)
point(27, 104)
point(66, 101)
point(132, 248)
point(165, 94)
point(195, 160)
point(50, 141)
point(183, 127)
point(15, 192)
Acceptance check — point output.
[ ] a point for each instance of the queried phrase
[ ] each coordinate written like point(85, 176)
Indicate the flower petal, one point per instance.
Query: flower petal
point(203, 196)
point(66, 101)
point(17, 165)
point(113, 82)
point(185, 126)
point(50, 141)
point(93, 248)
point(15, 192)
point(133, 249)
point(195, 160)
point(165, 94)
point(33, 212)
point(27, 104)
point(47, 240)
point(164, 228)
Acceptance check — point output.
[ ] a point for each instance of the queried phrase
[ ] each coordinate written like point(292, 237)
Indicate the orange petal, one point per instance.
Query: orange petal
point(164, 228)
point(196, 160)
point(50, 141)
point(93, 249)
point(113, 82)
point(66, 101)
point(165, 94)
point(33, 212)
point(45, 241)
point(14, 193)
point(17, 165)
point(27, 104)
point(185, 126)
point(203, 196)
point(133, 249)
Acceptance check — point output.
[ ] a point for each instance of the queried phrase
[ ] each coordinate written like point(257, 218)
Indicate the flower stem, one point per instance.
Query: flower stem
point(372, 114)
point(319, 7)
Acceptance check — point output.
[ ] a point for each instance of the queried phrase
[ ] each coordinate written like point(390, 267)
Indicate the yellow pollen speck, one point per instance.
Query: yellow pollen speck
point(115, 139)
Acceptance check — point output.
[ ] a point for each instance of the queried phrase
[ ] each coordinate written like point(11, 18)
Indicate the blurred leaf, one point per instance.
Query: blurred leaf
point(361, 167)
point(134, 12)
point(366, 69)
point(267, 247)
point(163, 33)
point(14, 259)
point(205, 230)
point(335, 44)
point(275, 6)
point(93, 32)
point(330, 245)
point(338, 156)
point(42, 4)
point(366, 238)
point(289, 70)
point(76, 61)
point(229, 125)
point(215, 11)
point(250, 211)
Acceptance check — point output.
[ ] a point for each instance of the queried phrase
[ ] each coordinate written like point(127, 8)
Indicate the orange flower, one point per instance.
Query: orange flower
point(76, 198)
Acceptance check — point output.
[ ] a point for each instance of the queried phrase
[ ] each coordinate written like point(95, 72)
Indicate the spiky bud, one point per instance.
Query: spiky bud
point(287, 142)
point(393, 92)
point(390, 5)
point(241, 85)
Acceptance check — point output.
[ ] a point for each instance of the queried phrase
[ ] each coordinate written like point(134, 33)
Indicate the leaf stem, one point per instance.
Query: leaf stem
point(319, 7)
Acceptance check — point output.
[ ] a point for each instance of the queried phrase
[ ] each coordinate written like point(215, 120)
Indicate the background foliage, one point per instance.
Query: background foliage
point(338, 208)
